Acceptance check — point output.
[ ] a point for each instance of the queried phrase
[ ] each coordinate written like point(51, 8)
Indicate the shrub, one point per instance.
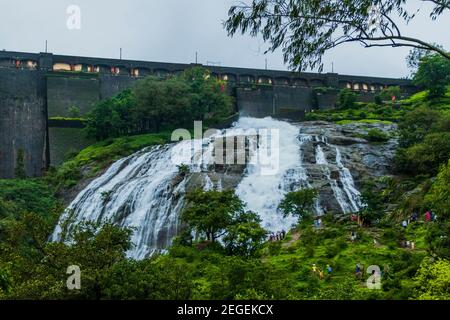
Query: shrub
point(378, 100)
point(74, 112)
point(438, 196)
point(376, 135)
point(426, 157)
point(347, 99)
point(389, 92)
point(433, 74)
point(298, 203)
point(417, 124)
point(19, 171)
point(183, 169)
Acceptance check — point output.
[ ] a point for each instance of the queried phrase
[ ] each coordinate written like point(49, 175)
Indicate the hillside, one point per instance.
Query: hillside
point(30, 267)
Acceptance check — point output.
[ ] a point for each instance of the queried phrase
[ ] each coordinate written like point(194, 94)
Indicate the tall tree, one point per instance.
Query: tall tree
point(306, 29)
point(433, 74)
point(212, 212)
point(298, 203)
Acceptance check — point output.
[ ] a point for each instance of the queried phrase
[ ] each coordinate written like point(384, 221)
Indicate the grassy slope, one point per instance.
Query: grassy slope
point(90, 161)
point(332, 245)
point(370, 112)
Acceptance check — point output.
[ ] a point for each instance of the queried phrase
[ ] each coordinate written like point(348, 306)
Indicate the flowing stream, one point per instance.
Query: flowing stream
point(145, 191)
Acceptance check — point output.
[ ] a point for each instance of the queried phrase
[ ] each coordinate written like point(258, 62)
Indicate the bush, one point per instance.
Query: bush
point(74, 112)
point(378, 100)
point(347, 99)
point(389, 92)
point(434, 75)
point(417, 124)
point(426, 157)
point(438, 196)
point(377, 135)
point(19, 170)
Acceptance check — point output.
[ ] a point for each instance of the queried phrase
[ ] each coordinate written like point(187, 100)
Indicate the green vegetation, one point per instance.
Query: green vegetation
point(221, 214)
point(78, 119)
point(201, 270)
point(304, 33)
point(228, 257)
point(376, 135)
point(74, 112)
point(369, 121)
point(90, 161)
point(434, 75)
point(424, 140)
point(299, 203)
point(434, 280)
point(212, 212)
point(347, 99)
point(361, 112)
point(155, 105)
point(19, 170)
point(389, 92)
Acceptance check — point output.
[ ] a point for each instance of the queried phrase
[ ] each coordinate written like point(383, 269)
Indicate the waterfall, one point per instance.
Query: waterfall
point(353, 194)
point(138, 192)
point(348, 197)
point(145, 191)
point(209, 185)
point(263, 194)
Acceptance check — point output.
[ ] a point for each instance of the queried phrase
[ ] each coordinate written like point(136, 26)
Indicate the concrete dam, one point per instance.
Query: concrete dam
point(36, 88)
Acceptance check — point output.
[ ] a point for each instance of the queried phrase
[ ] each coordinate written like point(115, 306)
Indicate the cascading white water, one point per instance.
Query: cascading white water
point(263, 193)
point(209, 185)
point(354, 196)
point(135, 192)
point(145, 191)
point(351, 202)
point(338, 194)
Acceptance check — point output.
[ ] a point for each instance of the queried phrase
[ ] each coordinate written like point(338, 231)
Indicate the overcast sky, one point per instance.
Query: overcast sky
point(173, 30)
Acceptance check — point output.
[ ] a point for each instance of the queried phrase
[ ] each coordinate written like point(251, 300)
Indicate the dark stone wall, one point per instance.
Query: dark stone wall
point(110, 85)
point(266, 101)
point(326, 101)
point(30, 92)
point(83, 91)
point(23, 121)
point(65, 91)
point(64, 141)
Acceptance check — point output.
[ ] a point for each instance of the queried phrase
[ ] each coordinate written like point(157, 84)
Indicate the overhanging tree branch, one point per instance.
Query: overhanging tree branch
point(305, 29)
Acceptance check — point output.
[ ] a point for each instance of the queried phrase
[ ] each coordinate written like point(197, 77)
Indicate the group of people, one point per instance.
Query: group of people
point(429, 217)
point(320, 272)
point(277, 236)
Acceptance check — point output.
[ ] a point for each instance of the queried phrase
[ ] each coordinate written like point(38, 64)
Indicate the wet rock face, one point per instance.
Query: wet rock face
point(364, 160)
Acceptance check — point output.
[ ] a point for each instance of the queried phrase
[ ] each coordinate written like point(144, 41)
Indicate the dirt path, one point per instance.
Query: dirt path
point(295, 237)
